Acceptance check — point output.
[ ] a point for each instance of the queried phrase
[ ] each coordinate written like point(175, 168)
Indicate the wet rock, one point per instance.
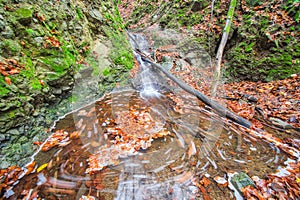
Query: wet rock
point(293, 119)
point(241, 180)
point(280, 123)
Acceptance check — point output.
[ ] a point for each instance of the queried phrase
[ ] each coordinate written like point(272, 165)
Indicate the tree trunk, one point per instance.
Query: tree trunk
point(222, 45)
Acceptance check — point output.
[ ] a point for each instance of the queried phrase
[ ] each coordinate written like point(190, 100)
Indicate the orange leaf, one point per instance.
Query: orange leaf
point(205, 181)
point(30, 167)
point(7, 80)
point(14, 71)
point(42, 82)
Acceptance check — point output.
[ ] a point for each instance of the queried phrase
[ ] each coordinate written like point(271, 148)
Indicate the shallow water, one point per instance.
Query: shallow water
point(198, 145)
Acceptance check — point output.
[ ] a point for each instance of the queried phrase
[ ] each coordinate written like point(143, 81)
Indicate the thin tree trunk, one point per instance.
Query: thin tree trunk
point(222, 45)
point(211, 103)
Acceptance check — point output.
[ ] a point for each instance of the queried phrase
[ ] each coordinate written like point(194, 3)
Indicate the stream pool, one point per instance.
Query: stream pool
point(124, 146)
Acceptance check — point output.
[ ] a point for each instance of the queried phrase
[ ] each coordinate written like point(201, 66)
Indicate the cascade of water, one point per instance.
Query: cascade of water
point(147, 76)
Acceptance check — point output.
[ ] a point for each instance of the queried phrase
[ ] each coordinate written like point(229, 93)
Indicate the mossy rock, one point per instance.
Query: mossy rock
point(10, 48)
point(24, 15)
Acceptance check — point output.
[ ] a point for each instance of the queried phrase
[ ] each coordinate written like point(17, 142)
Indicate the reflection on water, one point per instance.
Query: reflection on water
point(185, 143)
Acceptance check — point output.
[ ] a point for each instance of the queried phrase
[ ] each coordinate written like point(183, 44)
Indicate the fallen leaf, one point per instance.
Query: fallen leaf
point(7, 80)
point(43, 166)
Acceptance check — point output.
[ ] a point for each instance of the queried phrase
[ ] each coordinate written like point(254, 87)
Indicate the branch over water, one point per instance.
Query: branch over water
point(211, 103)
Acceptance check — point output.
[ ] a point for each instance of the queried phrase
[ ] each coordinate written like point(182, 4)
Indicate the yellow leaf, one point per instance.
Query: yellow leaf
point(298, 179)
point(43, 166)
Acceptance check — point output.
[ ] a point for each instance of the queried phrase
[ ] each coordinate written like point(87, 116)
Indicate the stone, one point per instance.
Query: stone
point(241, 180)
point(45, 90)
point(24, 15)
point(28, 108)
point(63, 26)
point(8, 33)
point(2, 23)
point(39, 41)
point(4, 164)
point(56, 91)
point(2, 105)
point(66, 88)
point(13, 132)
point(14, 88)
point(280, 123)
point(36, 113)
point(51, 98)
point(2, 137)
point(95, 13)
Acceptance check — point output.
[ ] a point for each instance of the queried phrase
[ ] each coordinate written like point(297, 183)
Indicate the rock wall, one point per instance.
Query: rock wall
point(48, 48)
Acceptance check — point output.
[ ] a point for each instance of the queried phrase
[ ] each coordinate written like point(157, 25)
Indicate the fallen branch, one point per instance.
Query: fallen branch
point(211, 103)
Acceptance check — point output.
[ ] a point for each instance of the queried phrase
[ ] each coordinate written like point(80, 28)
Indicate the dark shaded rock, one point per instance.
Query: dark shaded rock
point(197, 6)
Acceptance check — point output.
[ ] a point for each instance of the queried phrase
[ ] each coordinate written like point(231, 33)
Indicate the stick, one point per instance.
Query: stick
point(211, 103)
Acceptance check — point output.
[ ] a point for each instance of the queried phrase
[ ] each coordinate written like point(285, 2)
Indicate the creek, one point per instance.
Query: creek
point(150, 141)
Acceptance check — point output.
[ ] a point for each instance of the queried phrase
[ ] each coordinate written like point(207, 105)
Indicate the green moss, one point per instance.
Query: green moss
point(24, 12)
point(4, 90)
point(121, 53)
point(31, 32)
point(11, 114)
point(10, 48)
point(79, 13)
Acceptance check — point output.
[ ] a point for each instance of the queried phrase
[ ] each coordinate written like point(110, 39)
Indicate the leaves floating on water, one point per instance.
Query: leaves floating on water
point(135, 130)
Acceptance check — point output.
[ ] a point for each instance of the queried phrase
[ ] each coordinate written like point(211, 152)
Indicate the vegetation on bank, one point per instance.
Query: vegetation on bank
point(263, 43)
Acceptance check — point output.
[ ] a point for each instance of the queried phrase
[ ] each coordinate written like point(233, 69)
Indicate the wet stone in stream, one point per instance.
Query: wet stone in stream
point(127, 147)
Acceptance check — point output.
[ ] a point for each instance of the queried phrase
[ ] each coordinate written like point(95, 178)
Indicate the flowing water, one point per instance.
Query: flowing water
point(150, 143)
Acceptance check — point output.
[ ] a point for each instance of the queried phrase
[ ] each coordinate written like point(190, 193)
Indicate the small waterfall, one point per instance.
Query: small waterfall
point(148, 79)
